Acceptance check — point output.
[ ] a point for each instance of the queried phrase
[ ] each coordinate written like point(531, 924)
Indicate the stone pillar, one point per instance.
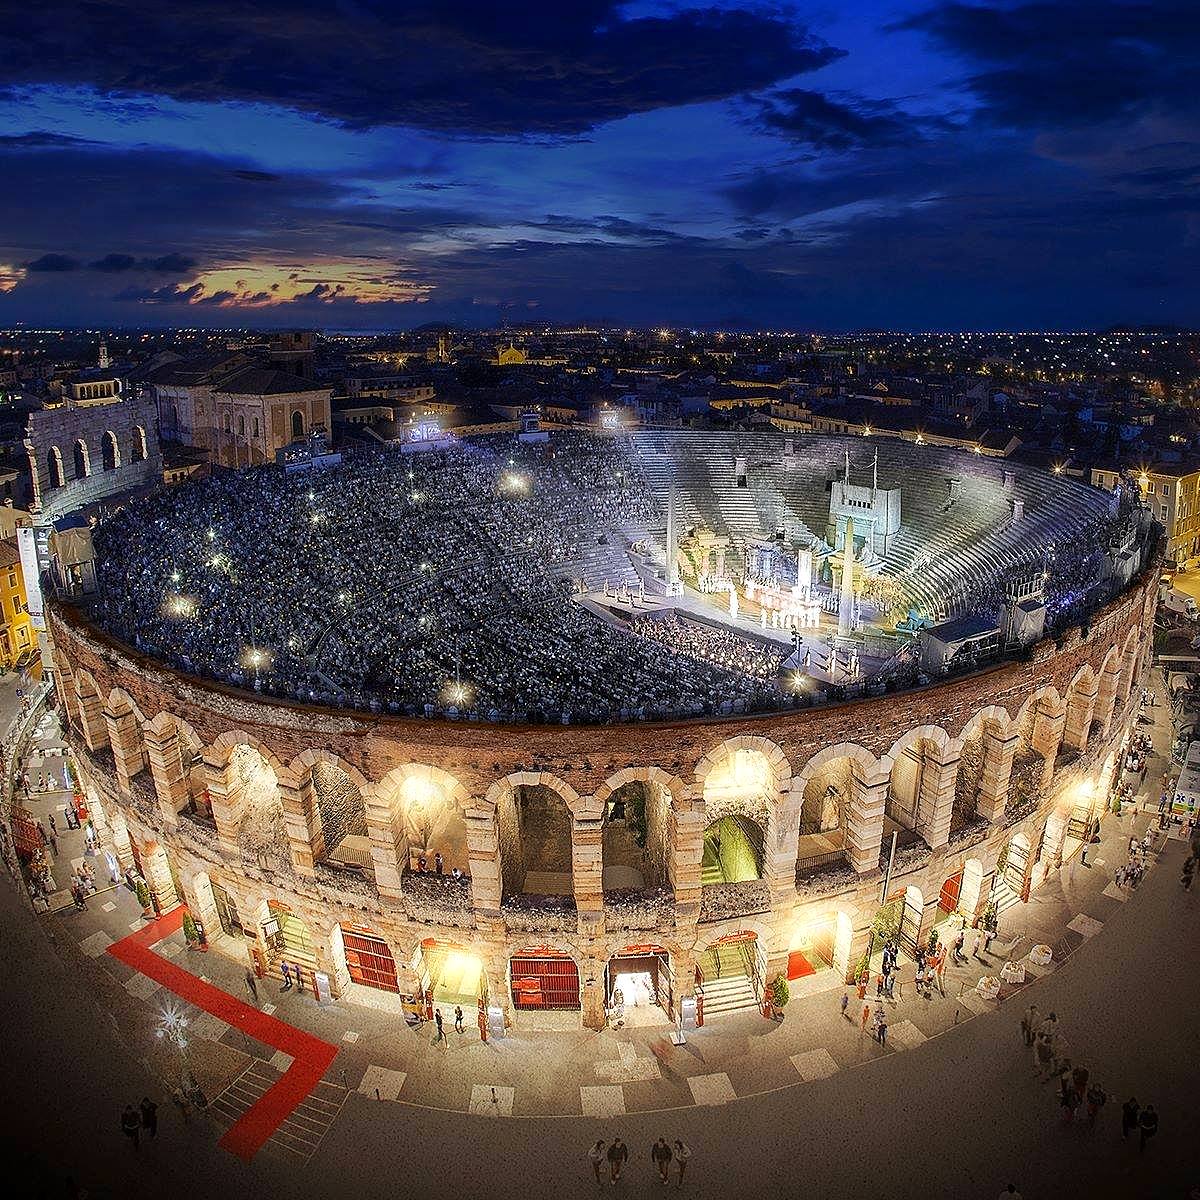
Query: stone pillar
point(688, 822)
point(197, 895)
point(64, 683)
point(382, 824)
point(483, 856)
point(226, 800)
point(302, 820)
point(999, 751)
point(591, 992)
point(1080, 707)
point(587, 868)
point(864, 823)
point(935, 799)
point(1106, 697)
point(783, 846)
point(125, 737)
point(157, 872)
point(122, 846)
point(1125, 684)
point(1046, 739)
point(92, 723)
point(165, 758)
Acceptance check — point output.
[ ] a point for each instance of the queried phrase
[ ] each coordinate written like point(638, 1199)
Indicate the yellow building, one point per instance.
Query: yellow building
point(17, 637)
point(1173, 494)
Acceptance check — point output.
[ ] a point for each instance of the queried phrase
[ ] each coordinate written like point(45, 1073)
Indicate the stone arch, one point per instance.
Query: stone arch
point(749, 779)
point(173, 753)
point(989, 741)
point(1040, 725)
point(139, 443)
point(124, 721)
point(229, 770)
point(91, 712)
point(921, 785)
point(856, 777)
point(643, 839)
point(110, 451)
point(55, 476)
point(324, 801)
point(417, 807)
point(366, 965)
point(297, 424)
point(1128, 659)
point(1107, 690)
point(1081, 704)
point(83, 459)
point(537, 818)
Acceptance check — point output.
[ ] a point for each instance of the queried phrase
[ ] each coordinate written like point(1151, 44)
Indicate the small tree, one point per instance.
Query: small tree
point(189, 928)
point(143, 893)
point(780, 993)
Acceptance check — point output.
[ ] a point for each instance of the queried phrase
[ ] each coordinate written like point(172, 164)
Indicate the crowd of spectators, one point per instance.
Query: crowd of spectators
point(407, 583)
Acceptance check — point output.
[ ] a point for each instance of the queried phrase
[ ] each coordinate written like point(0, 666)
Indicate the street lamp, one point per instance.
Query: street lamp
point(172, 1029)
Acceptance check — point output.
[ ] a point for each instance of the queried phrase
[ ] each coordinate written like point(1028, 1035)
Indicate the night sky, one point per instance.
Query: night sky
point(365, 165)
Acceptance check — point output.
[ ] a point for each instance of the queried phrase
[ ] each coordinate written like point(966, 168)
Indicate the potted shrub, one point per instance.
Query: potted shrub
point(776, 998)
point(191, 931)
point(143, 896)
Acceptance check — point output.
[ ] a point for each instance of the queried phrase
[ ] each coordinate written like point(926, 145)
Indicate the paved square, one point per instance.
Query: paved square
point(169, 949)
point(141, 985)
point(712, 1089)
point(815, 1064)
point(1086, 925)
point(381, 1084)
point(1115, 893)
point(350, 1036)
point(208, 1026)
point(108, 906)
point(905, 1035)
point(497, 1101)
point(134, 926)
point(974, 1001)
point(95, 944)
point(268, 1009)
point(603, 1101)
point(281, 1060)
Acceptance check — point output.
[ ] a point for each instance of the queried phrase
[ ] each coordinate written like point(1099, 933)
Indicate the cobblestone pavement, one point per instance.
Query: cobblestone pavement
point(948, 1108)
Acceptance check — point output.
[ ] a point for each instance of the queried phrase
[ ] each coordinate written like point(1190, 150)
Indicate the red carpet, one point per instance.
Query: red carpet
point(312, 1056)
point(799, 966)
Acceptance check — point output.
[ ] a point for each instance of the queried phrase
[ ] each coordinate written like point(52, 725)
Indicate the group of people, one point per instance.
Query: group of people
point(135, 1121)
point(711, 644)
point(1077, 1089)
point(662, 1155)
point(405, 583)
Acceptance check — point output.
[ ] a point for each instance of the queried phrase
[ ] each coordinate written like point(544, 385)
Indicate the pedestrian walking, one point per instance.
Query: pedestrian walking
point(1189, 874)
point(1130, 1112)
point(618, 1156)
point(1029, 1024)
point(1079, 1078)
point(287, 977)
point(53, 827)
point(596, 1157)
point(1043, 1057)
point(131, 1125)
point(660, 1155)
point(1147, 1125)
point(1083, 855)
point(458, 1019)
point(149, 1111)
point(866, 1015)
point(683, 1154)
point(298, 971)
point(438, 862)
point(1097, 1098)
point(252, 986)
point(437, 1020)
point(845, 1004)
point(881, 1032)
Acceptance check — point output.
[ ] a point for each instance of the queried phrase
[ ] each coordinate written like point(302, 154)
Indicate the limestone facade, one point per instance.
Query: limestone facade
point(212, 786)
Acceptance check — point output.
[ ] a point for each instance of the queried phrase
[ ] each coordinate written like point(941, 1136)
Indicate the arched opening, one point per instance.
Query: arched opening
point(897, 924)
point(297, 424)
point(450, 974)
point(139, 443)
point(1010, 884)
point(109, 452)
point(824, 809)
point(343, 816)
point(636, 837)
point(729, 973)
point(228, 917)
point(288, 940)
point(262, 833)
point(54, 468)
point(1025, 780)
point(639, 986)
point(83, 465)
point(431, 821)
point(907, 809)
point(820, 944)
point(543, 978)
point(733, 851)
point(535, 841)
point(241, 425)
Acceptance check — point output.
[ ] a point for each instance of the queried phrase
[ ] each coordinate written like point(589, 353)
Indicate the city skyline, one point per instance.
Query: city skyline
point(912, 166)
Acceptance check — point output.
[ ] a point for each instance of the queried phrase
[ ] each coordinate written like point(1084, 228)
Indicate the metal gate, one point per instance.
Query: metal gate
point(653, 959)
point(544, 980)
point(910, 926)
point(227, 913)
point(368, 959)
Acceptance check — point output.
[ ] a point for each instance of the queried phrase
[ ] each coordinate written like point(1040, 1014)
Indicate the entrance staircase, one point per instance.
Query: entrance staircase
point(727, 987)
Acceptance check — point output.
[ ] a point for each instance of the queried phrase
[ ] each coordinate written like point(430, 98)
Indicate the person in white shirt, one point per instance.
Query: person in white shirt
point(682, 1154)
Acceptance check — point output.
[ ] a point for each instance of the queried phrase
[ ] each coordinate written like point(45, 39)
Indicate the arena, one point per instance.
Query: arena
point(792, 671)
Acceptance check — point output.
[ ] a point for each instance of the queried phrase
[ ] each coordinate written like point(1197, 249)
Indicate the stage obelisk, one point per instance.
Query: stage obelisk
point(846, 601)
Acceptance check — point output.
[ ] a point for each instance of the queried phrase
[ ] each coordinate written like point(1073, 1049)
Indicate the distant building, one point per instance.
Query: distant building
point(17, 636)
point(93, 440)
point(1173, 495)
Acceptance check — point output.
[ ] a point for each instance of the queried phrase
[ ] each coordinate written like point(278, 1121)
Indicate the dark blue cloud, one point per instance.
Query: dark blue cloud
point(52, 264)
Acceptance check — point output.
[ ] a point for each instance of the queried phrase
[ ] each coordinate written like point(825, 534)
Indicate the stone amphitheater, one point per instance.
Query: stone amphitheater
point(537, 871)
